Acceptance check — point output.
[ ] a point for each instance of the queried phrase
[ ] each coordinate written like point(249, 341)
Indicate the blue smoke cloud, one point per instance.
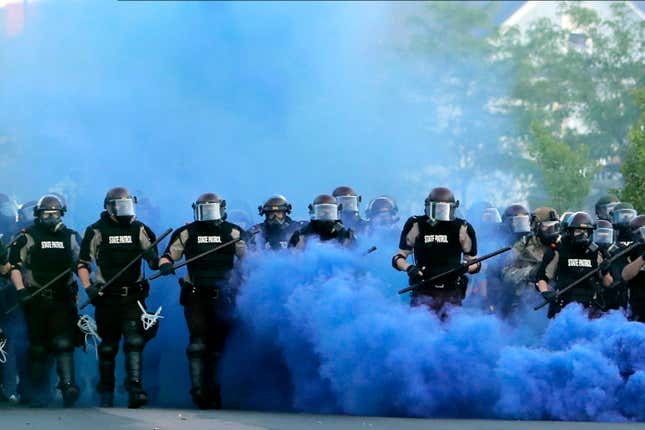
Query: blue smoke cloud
point(250, 99)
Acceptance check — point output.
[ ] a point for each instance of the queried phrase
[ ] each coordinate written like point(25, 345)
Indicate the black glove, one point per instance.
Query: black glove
point(93, 292)
point(23, 296)
point(414, 274)
point(604, 267)
point(166, 269)
point(549, 296)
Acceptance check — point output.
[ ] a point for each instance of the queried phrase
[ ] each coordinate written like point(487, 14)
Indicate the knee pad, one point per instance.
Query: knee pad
point(108, 351)
point(62, 344)
point(133, 342)
point(196, 347)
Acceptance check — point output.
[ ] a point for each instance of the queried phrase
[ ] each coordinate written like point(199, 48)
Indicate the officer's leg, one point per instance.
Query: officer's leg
point(38, 368)
point(215, 347)
point(109, 330)
point(196, 319)
point(63, 348)
point(133, 343)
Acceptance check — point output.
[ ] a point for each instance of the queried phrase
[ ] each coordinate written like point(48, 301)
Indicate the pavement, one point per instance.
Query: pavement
point(171, 419)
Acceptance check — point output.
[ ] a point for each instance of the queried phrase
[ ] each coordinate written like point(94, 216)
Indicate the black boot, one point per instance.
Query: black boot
point(133, 368)
point(196, 368)
point(106, 381)
point(66, 383)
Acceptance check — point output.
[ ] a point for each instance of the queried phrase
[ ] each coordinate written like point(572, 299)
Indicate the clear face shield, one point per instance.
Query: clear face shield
point(520, 224)
point(603, 236)
point(440, 211)
point(325, 212)
point(349, 203)
point(207, 212)
point(623, 216)
point(491, 216)
point(122, 207)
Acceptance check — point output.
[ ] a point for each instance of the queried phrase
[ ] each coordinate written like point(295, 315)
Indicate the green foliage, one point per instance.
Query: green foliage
point(566, 173)
point(633, 168)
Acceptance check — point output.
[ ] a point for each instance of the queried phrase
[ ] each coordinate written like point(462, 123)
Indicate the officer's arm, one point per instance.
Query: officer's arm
point(17, 256)
point(547, 269)
point(607, 278)
point(75, 245)
point(176, 247)
point(297, 240)
point(151, 253)
point(399, 260)
point(409, 235)
point(89, 246)
point(468, 241)
point(240, 245)
point(631, 270)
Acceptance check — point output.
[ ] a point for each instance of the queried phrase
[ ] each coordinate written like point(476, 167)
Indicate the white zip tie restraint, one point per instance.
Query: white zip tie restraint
point(88, 327)
point(3, 352)
point(147, 319)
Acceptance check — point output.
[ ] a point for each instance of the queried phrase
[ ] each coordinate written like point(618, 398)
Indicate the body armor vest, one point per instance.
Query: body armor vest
point(51, 255)
point(120, 244)
point(437, 246)
point(214, 267)
point(573, 263)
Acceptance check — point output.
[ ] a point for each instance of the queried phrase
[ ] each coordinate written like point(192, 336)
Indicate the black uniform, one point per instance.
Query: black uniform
point(112, 246)
point(274, 236)
point(208, 297)
point(565, 264)
point(324, 231)
point(636, 288)
point(615, 296)
point(41, 254)
point(439, 246)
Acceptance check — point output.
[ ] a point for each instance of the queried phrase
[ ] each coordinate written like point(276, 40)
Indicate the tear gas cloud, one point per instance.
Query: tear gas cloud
point(250, 99)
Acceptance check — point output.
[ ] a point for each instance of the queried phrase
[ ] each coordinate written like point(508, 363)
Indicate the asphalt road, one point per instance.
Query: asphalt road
point(171, 419)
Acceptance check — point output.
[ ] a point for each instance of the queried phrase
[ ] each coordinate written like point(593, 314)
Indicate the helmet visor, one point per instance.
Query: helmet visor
point(550, 227)
point(605, 211)
point(603, 236)
point(349, 203)
point(208, 212)
point(325, 212)
point(440, 211)
point(491, 216)
point(122, 207)
point(520, 224)
point(623, 216)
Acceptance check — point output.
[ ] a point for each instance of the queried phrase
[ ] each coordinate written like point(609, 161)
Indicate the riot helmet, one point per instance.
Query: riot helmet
point(347, 198)
point(49, 210)
point(603, 235)
point(275, 210)
point(580, 229)
point(120, 204)
point(382, 211)
point(605, 205)
point(209, 207)
point(440, 205)
point(324, 208)
point(637, 226)
point(545, 224)
point(517, 220)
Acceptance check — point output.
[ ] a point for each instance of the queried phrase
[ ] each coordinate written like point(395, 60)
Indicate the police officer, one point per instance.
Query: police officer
point(278, 227)
point(572, 258)
point(438, 240)
point(39, 254)
point(112, 242)
point(517, 221)
point(614, 296)
point(349, 202)
point(605, 205)
point(634, 271)
point(604, 235)
point(208, 290)
point(621, 217)
point(324, 224)
point(520, 271)
point(382, 214)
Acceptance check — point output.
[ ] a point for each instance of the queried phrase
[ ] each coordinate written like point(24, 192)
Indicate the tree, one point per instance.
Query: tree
point(566, 173)
point(633, 169)
point(577, 81)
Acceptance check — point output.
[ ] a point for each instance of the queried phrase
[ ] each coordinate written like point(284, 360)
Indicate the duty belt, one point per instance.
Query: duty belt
point(52, 294)
point(123, 291)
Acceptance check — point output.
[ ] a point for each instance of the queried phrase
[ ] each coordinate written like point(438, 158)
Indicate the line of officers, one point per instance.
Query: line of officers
point(547, 254)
